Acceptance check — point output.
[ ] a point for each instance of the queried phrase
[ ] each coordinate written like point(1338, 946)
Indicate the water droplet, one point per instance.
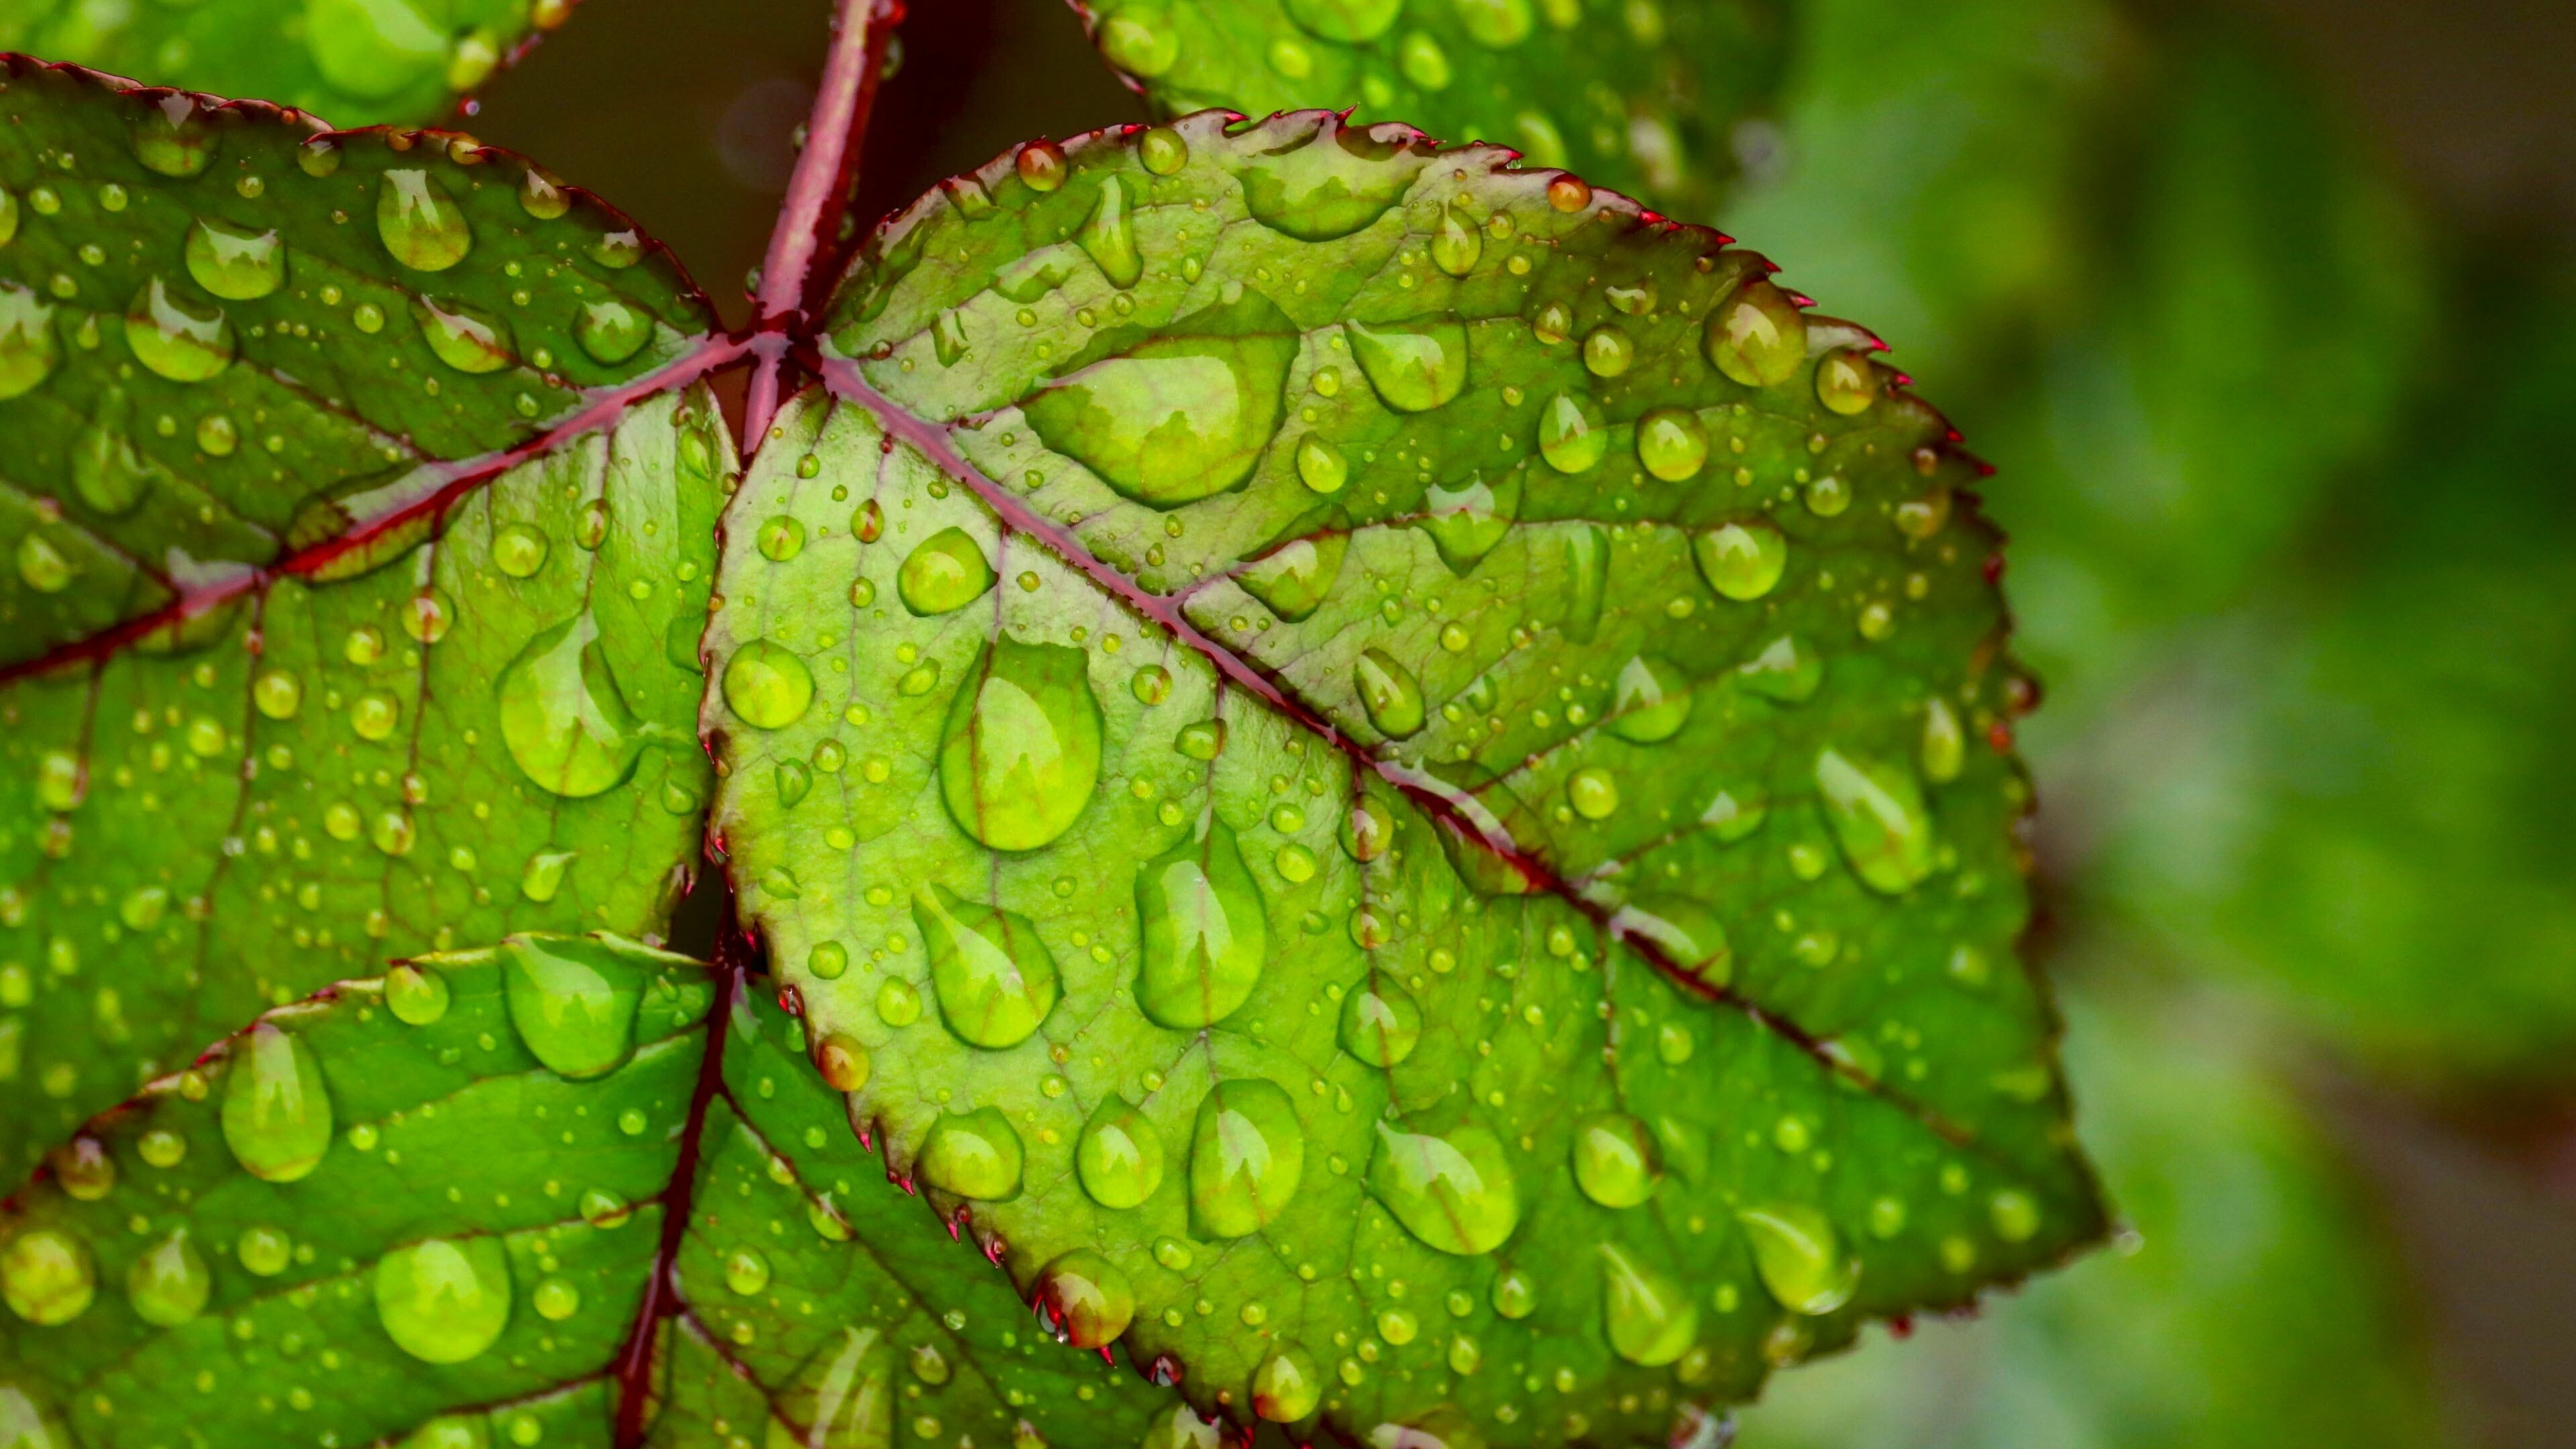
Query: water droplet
point(46, 1276)
point(1944, 746)
point(1086, 1297)
point(1757, 337)
point(898, 1002)
point(1293, 579)
point(616, 250)
point(172, 137)
point(945, 572)
point(1140, 40)
point(1672, 443)
point(842, 1062)
point(519, 549)
point(767, 686)
point(235, 263)
point(1572, 435)
point(1846, 381)
point(1390, 693)
point(1649, 1318)
point(84, 1168)
point(1182, 416)
point(1466, 521)
point(43, 566)
point(1800, 1257)
point(1329, 184)
point(573, 1001)
point(1879, 820)
point(177, 336)
point(1688, 936)
point(28, 349)
point(843, 1397)
point(168, 1281)
point(611, 330)
point(463, 336)
point(746, 1272)
point(1120, 1155)
point(277, 1112)
point(564, 719)
point(1452, 1189)
point(1786, 669)
point(1320, 465)
point(1608, 351)
point(1041, 164)
point(995, 980)
point(1204, 928)
point(1109, 238)
point(973, 1154)
point(1415, 367)
point(1019, 752)
point(1457, 245)
point(415, 997)
point(543, 875)
point(1652, 700)
point(1614, 1160)
point(1247, 1152)
point(1593, 792)
point(421, 225)
point(1380, 1022)
point(555, 1299)
point(1346, 21)
point(444, 1300)
point(1288, 1384)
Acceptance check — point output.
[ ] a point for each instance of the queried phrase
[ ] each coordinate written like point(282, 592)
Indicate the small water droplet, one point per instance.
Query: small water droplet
point(1879, 820)
point(1288, 1384)
point(1652, 700)
point(1109, 238)
point(1331, 183)
point(843, 1397)
point(415, 997)
point(46, 1276)
point(612, 330)
point(28, 349)
point(168, 1282)
point(1389, 692)
point(1787, 669)
point(1572, 435)
point(1380, 1023)
point(1086, 1297)
point(463, 336)
point(235, 263)
point(1414, 368)
point(746, 1272)
point(1649, 1318)
point(1672, 443)
point(1757, 336)
point(1293, 579)
point(177, 336)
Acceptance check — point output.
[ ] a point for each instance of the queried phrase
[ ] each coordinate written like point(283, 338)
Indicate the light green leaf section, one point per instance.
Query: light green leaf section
point(329, 673)
point(354, 62)
point(411, 1284)
point(1429, 795)
point(1643, 95)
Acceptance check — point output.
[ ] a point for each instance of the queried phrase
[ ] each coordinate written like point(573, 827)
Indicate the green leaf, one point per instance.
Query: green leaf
point(338, 650)
point(1424, 792)
point(405, 1280)
point(1638, 94)
point(358, 62)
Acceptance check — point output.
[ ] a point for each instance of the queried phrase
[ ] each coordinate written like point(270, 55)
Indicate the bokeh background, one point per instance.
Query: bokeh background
point(2265, 311)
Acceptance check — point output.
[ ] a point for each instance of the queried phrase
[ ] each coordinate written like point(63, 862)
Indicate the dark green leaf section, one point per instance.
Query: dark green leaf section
point(309, 1234)
point(1408, 757)
point(357, 62)
point(445, 748)
point(1643, 95)
point(226, 340)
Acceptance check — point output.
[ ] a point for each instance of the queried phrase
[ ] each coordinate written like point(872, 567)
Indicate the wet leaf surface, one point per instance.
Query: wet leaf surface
point(1403, 766)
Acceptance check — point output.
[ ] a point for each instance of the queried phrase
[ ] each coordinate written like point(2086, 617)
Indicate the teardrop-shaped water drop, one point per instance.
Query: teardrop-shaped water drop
point(573, 1001)
point(1182, 416)
point(462, 335)
point(1614, 1160)
point(1330, 183)
point(1672, 443)
point(177, 336)
point(1380, 1023)
point(168, 1281)
point(1757, 336)
point(972, 1154)
point(1320, 465)
point(1573, 436)
point(28, 349)
point(563, 718)
point(612, 329)
point(1452, 1189)
point(1109, 237)
point(1019, 751)
point(1457, 244)
point(1799, 1257)
point(1879, 820)
point(1414, 368)
point(444, 1300)
point(1205, 929)
point(1786, 669)
point(235, 262)
point(944, 573)
point(995, 980)
point(277, 1111)
point(1085, 1297)
point(1288, 1384)
point(1120, 1155)
point(415, 996)
point(1390, 693)
point(1651, 700)
point(1247, 1152)
point(767, 685)
point(1649, 1318)
point(420, 224)
point(1293, 579)
point(1741, 560)
point(1467, 520)
point(842, 1397)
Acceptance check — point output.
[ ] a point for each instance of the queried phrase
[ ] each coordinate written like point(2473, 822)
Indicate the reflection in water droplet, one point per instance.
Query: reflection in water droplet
point(1653, 700)
point(1757, 337)
point(444, 1300)
point(1019, 751)
point(1649, 1318)
point(1329, 184)
point(1390, 693)
point(1288, 1384)
point(612, 330)
point(1454, 1190)
point(995, 980)
point(1879, 820)
point(1414, 368)
point(542, 878)
point(944, 572)
point(1672, 443)
point(1120, 1156)
point(463, 336)
point(1110, 238)
point(277, 1112)
point(1799, 1257)
point(1457, 245)
point(1380, 1022)
point(1205, 931)
point(564, 719)
point(746, 1272)
point(168, 1281)
point(1086, 1297)
point(1572, 435)
point(1466, 521)
point(767, 685)
point(519, 549)
point(974, 1155)
point(573, 1001)
point(46, 1276)
point(421, 225)
point(1247, 1152)
point(233, 262)
point(28, 349)
point(1182, 416)
point(1320, 465)
point(415, 997)
point(1614, 1160)
point(176, 335)
point(1786, 669)
point(1293, 579)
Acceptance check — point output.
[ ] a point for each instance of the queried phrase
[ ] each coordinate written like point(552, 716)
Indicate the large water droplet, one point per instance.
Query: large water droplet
point(1110, 238)
point(444, 1300)
point(1181, 416)
point(1457, 244)
point(973, 1154)
point(1465, 522)
point(843, 1397)
point(172, 137)
point(1086, 1297)
point(1672, 443)
point(1741, 560)
point(1800, 1257)
point(1328, 184)
point(177, 336)
point(1288, 1384)
point(1345, 20)
point(767, 685)
point(1652, 700)
point(1786, 669)
point(1414, 368)
point(1320, 465)
point(1757, 337)
point(1246, 1153)
point(573, 1000)
point(1019, 752)
point(107, 472)
point(416, 997)
point(1649, 1318)
point(1120, 1156)
point(277, 1112)
point(1293, 579)
point(995, 979)
point(1206, 933)
point(1390, 693)
point(421, 225)
point(463, 336)
point(168, 1282)
point(943, 573)
point(1380, 1023)
point(233, 262)
point(1454, 1190)
point(1572, 434)
point(1614, 1160)
point(28, 349)
point(563, 718)
point(1879, 820)
point(46, 1276)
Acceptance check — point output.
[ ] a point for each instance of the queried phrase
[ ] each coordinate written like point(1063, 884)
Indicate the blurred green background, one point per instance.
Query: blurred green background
point(2265, 312)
